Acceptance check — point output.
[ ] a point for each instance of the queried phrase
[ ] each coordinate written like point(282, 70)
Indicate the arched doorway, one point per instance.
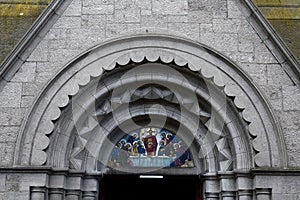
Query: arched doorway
point(151, 81)
point(152, 148)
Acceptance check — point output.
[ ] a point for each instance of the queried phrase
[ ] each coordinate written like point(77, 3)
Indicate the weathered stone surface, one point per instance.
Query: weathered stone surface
point(26, 73)
point(258, 73)
point(277, 76)
point(291, 97)
point(68, 22)
point(96, 8)
point(170, 7)
point(10, 96)
point(2, 183)
point(8, 133)
point(6, 156)
point(27, 101)
point(30, 89)
point(11, 116)
point(274, 95)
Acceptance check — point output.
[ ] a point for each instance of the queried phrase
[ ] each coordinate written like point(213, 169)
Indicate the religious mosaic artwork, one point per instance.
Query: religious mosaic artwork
point(151, 147)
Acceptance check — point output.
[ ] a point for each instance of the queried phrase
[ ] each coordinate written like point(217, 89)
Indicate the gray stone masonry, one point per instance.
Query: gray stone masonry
point(224, 25)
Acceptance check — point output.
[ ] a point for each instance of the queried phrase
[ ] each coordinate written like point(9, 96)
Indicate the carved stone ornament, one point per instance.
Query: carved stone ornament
point(264, 148)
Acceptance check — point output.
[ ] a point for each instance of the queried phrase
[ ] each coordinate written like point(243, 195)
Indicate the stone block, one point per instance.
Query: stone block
point(11, 116)
point(40, 53)
point(68, 22)
point(6, 159)
point(291, 98)
point(92, 21)
point(127, 15)
point(10, 96)
point(221, 42)
point(241, 57)
point(170, 7)
point(200, 16)
point(8, 133)
point(43, 77)
point(97, 9)
point(258, 73)
point(57, 44)
point(126, 4)
point(217, 7)
point(145, 6)
point(227, 25)
point(62, 56)
point(191, 30)
point(12, 183)
point(177, 19)
point(74, 9)
point(119, 29)
point(27, 101)
point(237, 10)
point(2, 183)
point(262, 54)
point(43, 67)
point(206, 29)
point(57, 181)
point(26, 73)
point(30, 89)
point(293, 146)
point(274, 95)
point(277, 76)
point(3, 196)
point(22, 195)
point(290, 120)
point(157, 21)
point(246, 46)
point(56, 34)
point(27, 180)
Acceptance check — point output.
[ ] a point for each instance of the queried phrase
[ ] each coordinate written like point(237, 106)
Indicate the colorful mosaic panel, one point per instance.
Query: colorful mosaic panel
point(151, 147)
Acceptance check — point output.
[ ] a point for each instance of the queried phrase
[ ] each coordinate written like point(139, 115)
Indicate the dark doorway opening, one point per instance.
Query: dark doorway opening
point(133, 187)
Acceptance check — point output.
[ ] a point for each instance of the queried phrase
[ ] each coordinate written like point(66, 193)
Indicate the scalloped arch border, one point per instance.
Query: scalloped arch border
point(33, 138)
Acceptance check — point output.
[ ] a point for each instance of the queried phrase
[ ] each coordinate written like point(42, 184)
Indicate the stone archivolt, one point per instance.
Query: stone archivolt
point(248, 137)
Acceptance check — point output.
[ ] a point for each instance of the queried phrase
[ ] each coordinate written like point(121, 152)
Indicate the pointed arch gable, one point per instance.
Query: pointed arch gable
point(266, 146)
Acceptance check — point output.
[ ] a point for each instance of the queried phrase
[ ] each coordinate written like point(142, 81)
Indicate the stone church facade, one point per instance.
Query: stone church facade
point(90, 72)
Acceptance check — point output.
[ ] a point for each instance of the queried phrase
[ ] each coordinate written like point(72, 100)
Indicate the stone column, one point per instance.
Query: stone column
point(90, 188)
point(244, 185)
point(245, 194)
point(37, 193)
point(211, 187)
point(56, 186)
point(228, 187)
point(56, 194)
point(73, 186)
point(89, 195)
point(263, 194)
point(73, 194)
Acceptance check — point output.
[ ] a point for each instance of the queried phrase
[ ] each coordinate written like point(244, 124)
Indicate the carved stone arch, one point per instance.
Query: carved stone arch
point(268, 147)
point(85, 125)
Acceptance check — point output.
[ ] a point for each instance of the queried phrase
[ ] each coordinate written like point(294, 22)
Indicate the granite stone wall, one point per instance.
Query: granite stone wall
point(226, 26)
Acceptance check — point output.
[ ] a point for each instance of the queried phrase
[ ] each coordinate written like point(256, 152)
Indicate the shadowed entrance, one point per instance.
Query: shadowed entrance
point(134, 187)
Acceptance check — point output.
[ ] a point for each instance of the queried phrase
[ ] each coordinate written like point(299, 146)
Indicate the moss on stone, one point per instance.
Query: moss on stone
point(290, 34)
point(21, 10)
point(280, 3)
point(281, 12)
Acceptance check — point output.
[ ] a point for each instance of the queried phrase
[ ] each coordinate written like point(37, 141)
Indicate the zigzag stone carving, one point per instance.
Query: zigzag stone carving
point(182, 52)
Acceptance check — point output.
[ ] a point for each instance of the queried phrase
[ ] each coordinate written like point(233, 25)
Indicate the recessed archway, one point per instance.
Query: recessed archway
point(127, 82)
